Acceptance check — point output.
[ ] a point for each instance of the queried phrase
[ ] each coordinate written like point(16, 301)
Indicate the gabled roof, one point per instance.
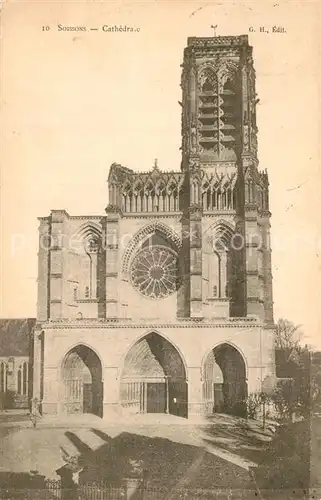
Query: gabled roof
point(15, 336)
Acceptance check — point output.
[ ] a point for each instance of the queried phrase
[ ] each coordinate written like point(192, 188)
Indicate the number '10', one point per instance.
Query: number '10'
point(45, 28)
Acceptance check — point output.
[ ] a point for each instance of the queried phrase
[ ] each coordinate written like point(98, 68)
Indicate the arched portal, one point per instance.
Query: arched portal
point(82, 381)
point(154, 378)
point(224, 381)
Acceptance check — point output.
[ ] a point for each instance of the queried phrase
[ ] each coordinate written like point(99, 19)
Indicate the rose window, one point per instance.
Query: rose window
point(154, 272)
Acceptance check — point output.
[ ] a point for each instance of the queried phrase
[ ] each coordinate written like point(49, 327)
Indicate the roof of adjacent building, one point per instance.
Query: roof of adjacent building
point(15, 336)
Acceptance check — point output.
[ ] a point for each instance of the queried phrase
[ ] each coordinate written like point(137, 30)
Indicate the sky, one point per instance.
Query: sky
point(74, 102)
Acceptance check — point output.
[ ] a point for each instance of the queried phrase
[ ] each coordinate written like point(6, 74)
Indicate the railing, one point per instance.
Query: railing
point(97, 492)
point(53, 490)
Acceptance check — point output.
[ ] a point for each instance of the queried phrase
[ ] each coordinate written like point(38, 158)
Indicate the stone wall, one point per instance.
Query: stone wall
point(113, 343)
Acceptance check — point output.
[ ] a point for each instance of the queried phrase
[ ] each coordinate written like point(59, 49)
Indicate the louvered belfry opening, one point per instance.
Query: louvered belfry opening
point(209, 113)
point(154, 378)
point(219, 116)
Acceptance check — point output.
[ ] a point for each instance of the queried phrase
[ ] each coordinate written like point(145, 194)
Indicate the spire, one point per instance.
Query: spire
point(214, 29)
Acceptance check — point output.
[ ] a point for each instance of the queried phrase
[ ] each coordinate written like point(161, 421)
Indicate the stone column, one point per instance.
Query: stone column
point(195, 391)
point(43, 296)
point(267, 269)
point(223, 271)
point(12, 372)
point(52, 395)
point(112, 268)
point(101, 271)
point(195, 261)
point(93, 275)
point(111, 401)
point(253, 280)
point(36, 384)
point(56, 264)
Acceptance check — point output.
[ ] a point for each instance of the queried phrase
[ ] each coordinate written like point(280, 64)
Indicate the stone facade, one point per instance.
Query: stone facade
point(164, 304)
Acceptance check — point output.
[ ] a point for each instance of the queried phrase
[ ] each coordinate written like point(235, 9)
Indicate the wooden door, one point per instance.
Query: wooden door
point(88, 398)
point(177, 397)
point(218, 398)
point(156, 397)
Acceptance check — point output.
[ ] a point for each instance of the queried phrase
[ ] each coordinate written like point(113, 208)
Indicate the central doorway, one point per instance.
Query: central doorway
point(82, 382)
point(154, 378)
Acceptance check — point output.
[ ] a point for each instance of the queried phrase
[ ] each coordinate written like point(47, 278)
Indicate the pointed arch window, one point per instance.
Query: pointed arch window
point(22, 379)
point(214, 203)
point(209, 199)
point(229, 199)
point(175, 200)
point(162, 198)
point(2, 377)
point(19, 381)
point(229, 86)
point(214, 275)
point(224, 199)
point(207, 85)
point(25, 379)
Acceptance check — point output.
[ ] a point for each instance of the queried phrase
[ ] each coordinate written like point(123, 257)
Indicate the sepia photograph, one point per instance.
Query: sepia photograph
point(160, 250)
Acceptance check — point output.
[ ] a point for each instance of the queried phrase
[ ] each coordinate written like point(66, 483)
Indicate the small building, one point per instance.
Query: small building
point(15, 365)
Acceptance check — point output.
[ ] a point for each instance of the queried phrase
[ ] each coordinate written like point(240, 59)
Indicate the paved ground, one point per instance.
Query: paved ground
point(176, 454)
point(173, 452)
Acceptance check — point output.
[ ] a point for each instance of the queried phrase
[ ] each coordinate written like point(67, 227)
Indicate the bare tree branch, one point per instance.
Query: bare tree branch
point(287, 338)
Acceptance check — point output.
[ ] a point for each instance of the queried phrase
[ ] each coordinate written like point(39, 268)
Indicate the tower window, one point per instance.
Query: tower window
point(75, 293)
point(207, 86)
point(214, 291)
point(87, 292)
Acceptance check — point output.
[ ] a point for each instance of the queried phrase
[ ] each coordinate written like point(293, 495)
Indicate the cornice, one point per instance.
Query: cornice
point(86, 217)
point(87, 301)
point(218, 41)
point(149, 215)
point(217, 213)
point(73, 217)
point(121, 324)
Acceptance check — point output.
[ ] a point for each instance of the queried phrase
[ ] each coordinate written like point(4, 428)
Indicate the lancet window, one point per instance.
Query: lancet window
point(217, 263)
point(150, 196)
point(216, 196)
point(22, 379)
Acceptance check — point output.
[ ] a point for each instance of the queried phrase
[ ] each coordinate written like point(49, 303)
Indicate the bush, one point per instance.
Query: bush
point(253, 404)
point(285, 463)
point(282, 399)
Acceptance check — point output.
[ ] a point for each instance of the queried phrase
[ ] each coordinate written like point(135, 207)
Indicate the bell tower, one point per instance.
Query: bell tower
point(219, 141)
point(218, 119)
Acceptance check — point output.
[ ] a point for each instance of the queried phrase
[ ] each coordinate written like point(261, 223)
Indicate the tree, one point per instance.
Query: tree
point(292, 362)
point(287, 338)
point(316, 381)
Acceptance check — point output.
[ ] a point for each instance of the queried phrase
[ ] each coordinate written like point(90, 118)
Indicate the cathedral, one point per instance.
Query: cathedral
point(163, 304)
